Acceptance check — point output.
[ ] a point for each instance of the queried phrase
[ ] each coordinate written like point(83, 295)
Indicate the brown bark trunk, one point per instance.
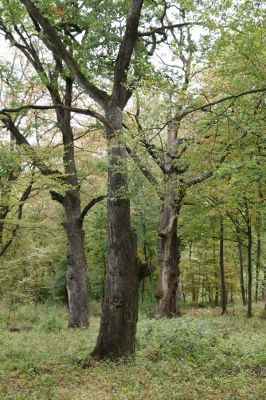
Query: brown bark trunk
point(216, 276)
point(258, 255)
point(76, 274)
point(222, 274)
point(241, 265)
point(116, 337)
point(249, 270)
point(167, 293)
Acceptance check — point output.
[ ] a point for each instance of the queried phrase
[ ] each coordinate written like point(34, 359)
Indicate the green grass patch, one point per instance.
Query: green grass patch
point(199, 356)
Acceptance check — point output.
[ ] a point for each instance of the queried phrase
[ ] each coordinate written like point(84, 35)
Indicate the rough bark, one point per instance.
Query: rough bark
point(116, 337)
point(76, 274)
point(119, 314)
point(167, 288)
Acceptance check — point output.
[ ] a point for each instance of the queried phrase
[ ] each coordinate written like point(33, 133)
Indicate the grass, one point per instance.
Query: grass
point(199, 356)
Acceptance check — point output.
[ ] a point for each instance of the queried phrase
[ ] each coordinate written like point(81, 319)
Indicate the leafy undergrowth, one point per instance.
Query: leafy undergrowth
point(198, 356)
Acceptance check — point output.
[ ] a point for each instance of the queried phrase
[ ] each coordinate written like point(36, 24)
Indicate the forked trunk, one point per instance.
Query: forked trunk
point(116, 337)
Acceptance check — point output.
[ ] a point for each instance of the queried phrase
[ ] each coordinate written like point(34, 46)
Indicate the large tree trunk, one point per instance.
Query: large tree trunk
point(76, 274)
point(167, 293)
point(116, 337)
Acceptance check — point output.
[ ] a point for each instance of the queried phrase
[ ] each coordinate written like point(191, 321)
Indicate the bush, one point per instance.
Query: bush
point(51, 325)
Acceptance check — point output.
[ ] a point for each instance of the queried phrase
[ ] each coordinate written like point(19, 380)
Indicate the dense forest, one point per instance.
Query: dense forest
point(132, 188)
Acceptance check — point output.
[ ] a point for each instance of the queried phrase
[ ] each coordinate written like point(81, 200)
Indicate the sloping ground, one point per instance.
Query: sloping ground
point(199, 356)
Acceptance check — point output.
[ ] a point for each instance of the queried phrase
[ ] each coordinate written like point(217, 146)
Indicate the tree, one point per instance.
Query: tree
point(60, 93)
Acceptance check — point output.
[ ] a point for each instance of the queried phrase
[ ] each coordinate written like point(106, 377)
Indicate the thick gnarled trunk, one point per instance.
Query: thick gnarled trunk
point(167, 292)
point(120, 307)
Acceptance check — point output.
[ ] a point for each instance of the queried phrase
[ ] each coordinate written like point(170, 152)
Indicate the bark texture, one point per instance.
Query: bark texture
point(167, 289)
point(116, 337)
point(76, 274)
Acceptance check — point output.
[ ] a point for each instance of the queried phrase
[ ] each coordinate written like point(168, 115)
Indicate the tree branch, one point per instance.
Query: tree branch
point(58, 48)
point(120, 93)
point(143, 169)
point(179, 117)
point(208, 174)
point(22, 200)
point(84, 111)
point(161, 30)
point(20, 139)
point(87, 208)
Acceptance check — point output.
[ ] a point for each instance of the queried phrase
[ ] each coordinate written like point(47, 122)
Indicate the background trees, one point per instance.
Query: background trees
point(179, 133)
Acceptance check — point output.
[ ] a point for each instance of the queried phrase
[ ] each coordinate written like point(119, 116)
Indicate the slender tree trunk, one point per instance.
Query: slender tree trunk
point(258, 255)
point(120, 307)
point(216, 276)
point(241, 265)
point(249, 270)
point(222, 274)
point(264, 288)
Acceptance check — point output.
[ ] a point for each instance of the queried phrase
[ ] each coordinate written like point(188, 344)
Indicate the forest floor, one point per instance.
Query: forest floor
point(201, 355)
